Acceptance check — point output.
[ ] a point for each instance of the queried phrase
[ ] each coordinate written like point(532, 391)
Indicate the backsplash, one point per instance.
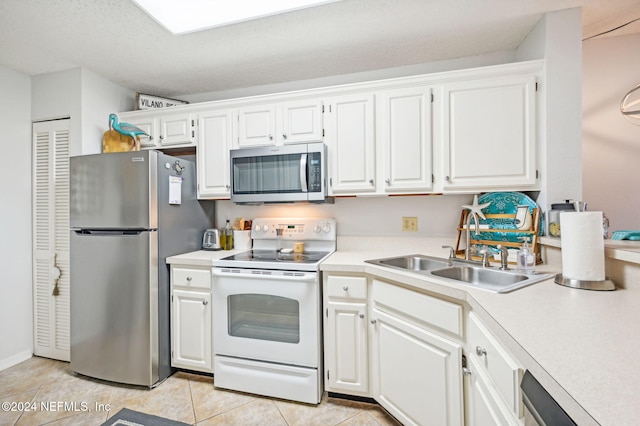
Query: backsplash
point(438, 215)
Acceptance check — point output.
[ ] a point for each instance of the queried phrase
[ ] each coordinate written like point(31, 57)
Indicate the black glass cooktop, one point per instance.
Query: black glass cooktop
point(274, 256)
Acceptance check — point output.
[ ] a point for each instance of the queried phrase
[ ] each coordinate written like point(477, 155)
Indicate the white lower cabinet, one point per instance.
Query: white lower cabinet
point(416, 372)
point(380, 343)
point(493, 378)
point(345, 338)
point(191, 318)
point(482, 403)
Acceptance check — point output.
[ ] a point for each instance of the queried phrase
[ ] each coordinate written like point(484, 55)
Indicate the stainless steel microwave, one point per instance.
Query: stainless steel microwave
point(279, 174)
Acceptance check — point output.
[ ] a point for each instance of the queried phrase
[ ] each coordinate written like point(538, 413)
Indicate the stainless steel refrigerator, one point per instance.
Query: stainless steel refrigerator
point(129, 211)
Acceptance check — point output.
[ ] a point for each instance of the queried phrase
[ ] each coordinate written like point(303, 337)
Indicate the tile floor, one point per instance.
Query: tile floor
point(42, 391)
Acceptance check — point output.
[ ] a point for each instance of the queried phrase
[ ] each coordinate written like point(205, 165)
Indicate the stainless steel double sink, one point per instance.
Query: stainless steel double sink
point(463, 272)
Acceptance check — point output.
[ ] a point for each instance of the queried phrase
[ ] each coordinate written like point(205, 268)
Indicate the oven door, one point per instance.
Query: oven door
point(267, 315)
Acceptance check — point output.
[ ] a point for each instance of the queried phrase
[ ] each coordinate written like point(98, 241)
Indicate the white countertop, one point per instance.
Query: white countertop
point(581, 345)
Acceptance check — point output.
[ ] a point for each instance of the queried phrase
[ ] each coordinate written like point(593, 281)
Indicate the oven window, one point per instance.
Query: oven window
point(264, 317)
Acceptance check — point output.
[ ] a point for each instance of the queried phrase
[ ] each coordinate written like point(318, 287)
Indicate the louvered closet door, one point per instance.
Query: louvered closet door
point(51, 238)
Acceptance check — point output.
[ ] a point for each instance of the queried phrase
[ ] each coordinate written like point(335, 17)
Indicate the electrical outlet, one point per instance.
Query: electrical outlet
point(409, 223)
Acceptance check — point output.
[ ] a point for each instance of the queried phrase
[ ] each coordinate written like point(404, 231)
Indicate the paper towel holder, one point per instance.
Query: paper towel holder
point(604, 285)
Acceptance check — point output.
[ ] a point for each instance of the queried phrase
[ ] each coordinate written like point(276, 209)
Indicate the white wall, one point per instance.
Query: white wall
point(409, 70)
point(16, 317)
point(611, 144)
point(99, 98)
point(438, 215)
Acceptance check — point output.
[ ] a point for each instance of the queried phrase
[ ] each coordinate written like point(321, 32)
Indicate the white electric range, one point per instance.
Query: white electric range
point(267, 310)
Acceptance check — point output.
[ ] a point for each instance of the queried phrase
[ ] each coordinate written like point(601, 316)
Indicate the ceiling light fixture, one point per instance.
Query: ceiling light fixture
point(187, 16)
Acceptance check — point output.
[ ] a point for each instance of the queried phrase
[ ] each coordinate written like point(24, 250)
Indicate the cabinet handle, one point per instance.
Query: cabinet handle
point(270, 137)
point(205, 302)
point(345, 288)
point(387, 181)
point(150, 137)
point(161, 137)
point(284, 136)
point(480, 351)
point(373, 321)
point(189, 278)
point(228, 187)
point(447, 178)
point(361, 315)
point(371, 181)
point(466, 371)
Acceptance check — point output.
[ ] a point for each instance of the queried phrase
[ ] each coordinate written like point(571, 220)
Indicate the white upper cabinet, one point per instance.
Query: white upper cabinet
point(280, 124)
point(177, 129)
point(489, 134)
point(302, 122)
point(404, 135)
point(351, 144)
point(214, 142)
point(165, 129)
point(257, 126)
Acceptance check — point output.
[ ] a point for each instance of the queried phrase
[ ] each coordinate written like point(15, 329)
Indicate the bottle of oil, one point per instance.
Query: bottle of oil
point(226, 237)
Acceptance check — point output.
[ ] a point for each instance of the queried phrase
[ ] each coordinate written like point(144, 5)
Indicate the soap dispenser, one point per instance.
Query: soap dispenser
point(526, 259)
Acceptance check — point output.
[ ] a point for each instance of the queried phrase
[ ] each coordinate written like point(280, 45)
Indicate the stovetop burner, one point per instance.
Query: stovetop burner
point(274, 256)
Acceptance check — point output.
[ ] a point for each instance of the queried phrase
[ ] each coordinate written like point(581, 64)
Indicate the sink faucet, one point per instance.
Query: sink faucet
point(474, 215)
point(504, 254)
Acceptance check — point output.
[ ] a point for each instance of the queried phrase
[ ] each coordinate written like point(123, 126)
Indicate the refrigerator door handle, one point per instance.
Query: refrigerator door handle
point(100, 232)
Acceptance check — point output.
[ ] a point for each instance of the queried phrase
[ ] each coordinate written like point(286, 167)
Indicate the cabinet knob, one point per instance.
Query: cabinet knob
point(150, 137)
point(228, 187)
point(284, 136)
point(361, 315)
point(345, 288)
point(387, 181)
point(161, 137)
point(373, 321)
point(270, 137)
point(447, 178)
point(371, 181)
point(466, 371)
point(189, 278)
point(480, 351)
point(205, 302)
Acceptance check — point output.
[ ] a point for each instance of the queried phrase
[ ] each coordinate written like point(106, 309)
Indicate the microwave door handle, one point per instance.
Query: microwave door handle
point(303, 173)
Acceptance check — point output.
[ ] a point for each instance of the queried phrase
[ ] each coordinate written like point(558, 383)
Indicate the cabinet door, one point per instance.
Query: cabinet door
point(405, 133)
point(257, 126)
point(177, 129)
point(489, 134)
point(416, 374)
point(482, 405)
point(302, 122)
point(214, 142)
point(346, 347)
point(148, 125)
point(351, 144)
point(191, 330)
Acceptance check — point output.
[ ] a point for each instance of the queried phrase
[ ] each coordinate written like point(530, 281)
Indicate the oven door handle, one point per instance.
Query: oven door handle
point(303, 173)
point(251, 273)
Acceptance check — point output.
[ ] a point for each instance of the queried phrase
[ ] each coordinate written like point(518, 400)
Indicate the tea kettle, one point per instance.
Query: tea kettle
point(211, 239)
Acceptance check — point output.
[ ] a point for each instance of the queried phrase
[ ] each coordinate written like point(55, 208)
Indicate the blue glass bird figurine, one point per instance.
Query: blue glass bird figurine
point(126, 129)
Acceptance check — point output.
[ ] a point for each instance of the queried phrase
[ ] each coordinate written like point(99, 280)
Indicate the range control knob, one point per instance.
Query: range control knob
point(257, 227)
point(317, 228)
point(265, 228)
point(326, 228)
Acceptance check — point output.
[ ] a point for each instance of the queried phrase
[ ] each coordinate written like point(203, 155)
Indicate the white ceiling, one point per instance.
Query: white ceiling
point(117, 40)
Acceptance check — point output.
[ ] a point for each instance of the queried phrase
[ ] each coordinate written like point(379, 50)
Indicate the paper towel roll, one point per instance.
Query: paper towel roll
point(582, 246)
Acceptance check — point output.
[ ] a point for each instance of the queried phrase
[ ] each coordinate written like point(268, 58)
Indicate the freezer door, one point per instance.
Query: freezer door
point(114, 190)
point(114, 306)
